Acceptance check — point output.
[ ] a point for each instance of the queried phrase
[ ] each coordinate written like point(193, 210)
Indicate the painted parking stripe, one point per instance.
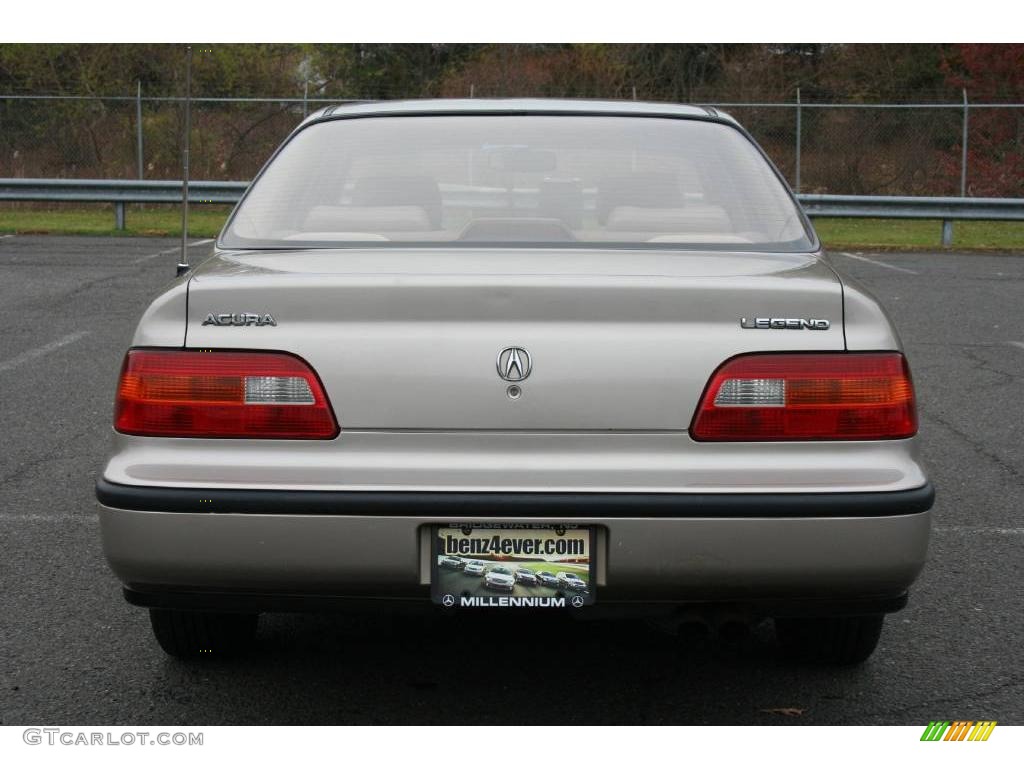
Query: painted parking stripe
point(46, 349)
point(22, 517)
point(978, 529)
point(164, 252)
point(169, 251)
point(1016, 344)
point(878, 263)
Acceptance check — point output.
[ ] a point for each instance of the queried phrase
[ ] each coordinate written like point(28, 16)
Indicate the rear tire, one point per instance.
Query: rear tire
point(838, 640)
point(201, 634)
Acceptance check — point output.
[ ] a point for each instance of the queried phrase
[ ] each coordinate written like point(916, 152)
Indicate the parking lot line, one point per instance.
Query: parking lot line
point(31, 354)
point(978, 529)
point(1016, 344)
point(19, 517)
point(169, 251)
point(878, 263)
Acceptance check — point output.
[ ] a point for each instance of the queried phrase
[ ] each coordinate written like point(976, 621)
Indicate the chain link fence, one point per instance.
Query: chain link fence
point(858, 149)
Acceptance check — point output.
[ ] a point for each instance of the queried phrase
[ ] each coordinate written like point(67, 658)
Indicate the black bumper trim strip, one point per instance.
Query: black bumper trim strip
point(439, 505)
point(183, 598)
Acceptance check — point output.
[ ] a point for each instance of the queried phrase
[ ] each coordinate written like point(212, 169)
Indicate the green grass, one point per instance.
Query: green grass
point(839, 234)
point(207, 220)
point(152, 220)
point(543, 565)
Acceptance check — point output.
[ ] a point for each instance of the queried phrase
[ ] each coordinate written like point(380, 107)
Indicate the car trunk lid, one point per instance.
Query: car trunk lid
point(412, 338)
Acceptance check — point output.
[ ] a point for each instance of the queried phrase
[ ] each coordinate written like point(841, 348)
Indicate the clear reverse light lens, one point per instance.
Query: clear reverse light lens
point(764, 393)
point(278, 390)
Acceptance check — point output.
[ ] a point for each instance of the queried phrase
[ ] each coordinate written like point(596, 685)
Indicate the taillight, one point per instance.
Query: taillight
point(813, 396)
point(184, 393)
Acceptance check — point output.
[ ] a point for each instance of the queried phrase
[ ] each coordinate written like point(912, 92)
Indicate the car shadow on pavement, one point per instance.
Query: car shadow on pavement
point(491, 668)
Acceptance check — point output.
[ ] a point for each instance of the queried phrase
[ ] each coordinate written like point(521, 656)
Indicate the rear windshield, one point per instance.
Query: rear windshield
point(500, 179)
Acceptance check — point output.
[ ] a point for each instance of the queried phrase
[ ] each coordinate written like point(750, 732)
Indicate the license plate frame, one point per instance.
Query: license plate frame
point(542, 548)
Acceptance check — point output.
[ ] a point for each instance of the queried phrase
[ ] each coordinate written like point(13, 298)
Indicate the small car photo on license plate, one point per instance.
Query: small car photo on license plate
point(513, 566)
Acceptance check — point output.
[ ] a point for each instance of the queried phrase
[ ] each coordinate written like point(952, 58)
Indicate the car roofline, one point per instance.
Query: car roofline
point(537, 106)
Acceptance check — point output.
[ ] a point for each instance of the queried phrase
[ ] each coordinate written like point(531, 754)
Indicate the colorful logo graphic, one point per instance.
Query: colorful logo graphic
point(958, 730)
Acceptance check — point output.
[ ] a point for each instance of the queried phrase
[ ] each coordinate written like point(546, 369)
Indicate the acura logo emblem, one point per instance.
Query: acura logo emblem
point(514, 364)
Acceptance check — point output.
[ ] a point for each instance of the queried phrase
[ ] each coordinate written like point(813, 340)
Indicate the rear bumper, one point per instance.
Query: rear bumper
point(264, 549)
point(441, 506)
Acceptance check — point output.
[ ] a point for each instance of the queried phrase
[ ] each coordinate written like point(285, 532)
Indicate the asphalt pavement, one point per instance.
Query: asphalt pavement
point(73, 652)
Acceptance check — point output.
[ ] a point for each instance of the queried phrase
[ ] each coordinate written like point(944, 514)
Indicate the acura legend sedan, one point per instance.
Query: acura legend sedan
point(595, 332)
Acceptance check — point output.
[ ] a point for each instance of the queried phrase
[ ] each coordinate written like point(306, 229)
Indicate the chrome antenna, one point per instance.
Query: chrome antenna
point(183, 260)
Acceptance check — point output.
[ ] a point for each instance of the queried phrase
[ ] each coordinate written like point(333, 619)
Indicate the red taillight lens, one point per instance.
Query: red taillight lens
point(177, 393)
point(814, 396)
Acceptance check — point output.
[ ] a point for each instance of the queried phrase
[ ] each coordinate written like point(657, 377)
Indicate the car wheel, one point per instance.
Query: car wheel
point(201, 634)
point(840, 640)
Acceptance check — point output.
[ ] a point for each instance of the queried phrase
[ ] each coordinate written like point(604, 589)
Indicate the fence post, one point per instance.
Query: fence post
point(963, 150)
point(947, 232)
point(138, 127)
point(305, 100)
point(799, 131)
point(119, 215)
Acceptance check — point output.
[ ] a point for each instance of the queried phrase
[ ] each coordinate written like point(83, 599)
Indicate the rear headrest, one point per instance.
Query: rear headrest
point(421, 191)
point(638, 190)
point(517, 230)
point(702, 218)
point(367, 218)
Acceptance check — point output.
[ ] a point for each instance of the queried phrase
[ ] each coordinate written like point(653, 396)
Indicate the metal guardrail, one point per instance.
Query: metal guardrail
point(119, 192)
point(945, 209)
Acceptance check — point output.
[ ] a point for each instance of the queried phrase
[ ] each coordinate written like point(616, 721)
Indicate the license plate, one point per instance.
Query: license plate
point(513, 566)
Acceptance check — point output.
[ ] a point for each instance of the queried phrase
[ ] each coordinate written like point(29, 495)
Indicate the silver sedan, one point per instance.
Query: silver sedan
point(611, 315)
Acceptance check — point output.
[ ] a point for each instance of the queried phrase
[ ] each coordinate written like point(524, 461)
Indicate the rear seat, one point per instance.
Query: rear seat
point(408, 203)
point(638, 190)
point(387, 191)
point(655, 202)
point(694, 218)
point(367, 218)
